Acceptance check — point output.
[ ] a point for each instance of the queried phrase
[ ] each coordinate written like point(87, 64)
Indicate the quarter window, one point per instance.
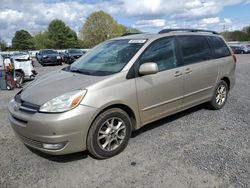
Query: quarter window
point(161, 52)
point(194, 49)
point(219, 46)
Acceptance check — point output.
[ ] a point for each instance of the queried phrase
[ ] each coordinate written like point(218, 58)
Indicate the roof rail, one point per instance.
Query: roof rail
point(187, 30)
point(126, 34)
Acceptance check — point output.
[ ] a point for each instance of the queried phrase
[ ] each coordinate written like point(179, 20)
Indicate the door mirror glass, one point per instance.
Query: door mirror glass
point(148, 68)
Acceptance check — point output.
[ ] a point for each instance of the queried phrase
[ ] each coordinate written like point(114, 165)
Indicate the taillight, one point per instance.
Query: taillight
point(234, 57)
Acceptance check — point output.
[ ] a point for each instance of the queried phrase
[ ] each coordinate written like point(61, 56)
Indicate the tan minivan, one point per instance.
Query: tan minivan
point(119, 86)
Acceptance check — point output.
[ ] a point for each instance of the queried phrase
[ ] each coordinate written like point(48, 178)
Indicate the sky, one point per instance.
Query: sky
point(146, 15)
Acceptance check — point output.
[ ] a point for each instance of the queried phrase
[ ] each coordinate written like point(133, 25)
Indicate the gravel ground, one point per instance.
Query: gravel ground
point(196, 148)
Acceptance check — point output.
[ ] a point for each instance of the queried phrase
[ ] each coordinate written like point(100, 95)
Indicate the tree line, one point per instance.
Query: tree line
point(239, 35)
point(98, 27)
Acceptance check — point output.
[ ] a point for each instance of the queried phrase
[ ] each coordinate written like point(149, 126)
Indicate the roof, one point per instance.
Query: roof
point(168, 32)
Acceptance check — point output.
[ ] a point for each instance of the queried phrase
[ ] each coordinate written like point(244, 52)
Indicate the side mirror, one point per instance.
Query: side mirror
point(148, 68)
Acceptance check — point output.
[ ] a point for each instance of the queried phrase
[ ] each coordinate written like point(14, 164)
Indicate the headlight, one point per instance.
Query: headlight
point(64, 102)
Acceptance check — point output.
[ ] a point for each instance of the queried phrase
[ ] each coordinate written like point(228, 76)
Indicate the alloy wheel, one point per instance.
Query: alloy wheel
point(111, 134)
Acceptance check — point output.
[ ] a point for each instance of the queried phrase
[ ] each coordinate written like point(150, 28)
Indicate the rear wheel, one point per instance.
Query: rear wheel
point(220, 96)
point(109, 133)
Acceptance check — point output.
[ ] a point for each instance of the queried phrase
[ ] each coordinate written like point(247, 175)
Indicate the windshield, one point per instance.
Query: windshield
point(50, 52)
point(108, 57)
point(20, 53)
point(75, 51)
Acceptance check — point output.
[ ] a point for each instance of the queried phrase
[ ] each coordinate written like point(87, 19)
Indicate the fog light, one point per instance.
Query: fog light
point(54, 146)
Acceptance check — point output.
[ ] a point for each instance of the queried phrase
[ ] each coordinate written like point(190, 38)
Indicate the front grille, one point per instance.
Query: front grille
point(30, 142)
point(26, 106)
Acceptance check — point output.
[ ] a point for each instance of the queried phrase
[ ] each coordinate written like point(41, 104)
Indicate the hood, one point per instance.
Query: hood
point(55, 84)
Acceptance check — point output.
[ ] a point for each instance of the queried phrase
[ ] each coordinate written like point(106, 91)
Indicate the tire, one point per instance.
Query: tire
point(20, 78)
point(112, 139)
point(220, 96)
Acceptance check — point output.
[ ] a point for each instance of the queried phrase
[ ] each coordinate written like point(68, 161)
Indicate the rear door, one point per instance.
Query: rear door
point(160, 94)
point(200, 69)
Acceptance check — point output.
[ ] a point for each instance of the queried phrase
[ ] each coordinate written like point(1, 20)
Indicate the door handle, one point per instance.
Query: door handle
point(177, 74)
point(188, 70)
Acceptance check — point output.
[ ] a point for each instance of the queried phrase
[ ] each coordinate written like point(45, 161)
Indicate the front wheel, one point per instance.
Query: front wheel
point(220, 96)
point(109, 133)
point(19, 79)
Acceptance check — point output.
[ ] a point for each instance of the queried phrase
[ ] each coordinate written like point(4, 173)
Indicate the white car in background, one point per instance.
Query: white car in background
point(23, 66)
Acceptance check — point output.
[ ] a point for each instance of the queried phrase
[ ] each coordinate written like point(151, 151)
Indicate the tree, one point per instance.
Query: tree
point(99, 27)
point(22, 41)
point(3, 45)
point(247, 31)
point(126, 29)
point(61, 36)
point(42, 41)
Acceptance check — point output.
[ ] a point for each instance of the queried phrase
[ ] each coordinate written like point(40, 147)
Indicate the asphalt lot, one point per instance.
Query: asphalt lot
point(196, 148)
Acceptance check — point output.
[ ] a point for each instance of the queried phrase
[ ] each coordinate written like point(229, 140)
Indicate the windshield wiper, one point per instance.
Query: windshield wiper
point(81, 71)
point(75, 70)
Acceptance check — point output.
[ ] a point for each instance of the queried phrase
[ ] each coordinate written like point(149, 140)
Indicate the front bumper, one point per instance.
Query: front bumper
point(36, 129)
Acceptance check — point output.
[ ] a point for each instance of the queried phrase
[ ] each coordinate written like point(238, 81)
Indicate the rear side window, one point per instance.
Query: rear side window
point(219, 46)
point(162, 52)
point(194, 49)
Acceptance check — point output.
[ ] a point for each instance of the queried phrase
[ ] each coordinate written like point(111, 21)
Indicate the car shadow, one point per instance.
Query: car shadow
point(61, 158)
point(168, 119)
point(148, 127)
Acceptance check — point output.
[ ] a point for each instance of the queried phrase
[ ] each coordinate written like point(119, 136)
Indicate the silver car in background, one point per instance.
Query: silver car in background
point(118, 87)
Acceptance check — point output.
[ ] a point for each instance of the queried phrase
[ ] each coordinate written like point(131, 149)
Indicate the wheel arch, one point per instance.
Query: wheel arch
point(21, 71)
point(227, 80)
point(132, 115)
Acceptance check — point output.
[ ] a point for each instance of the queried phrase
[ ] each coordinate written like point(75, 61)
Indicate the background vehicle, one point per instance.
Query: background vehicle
point(21, 56)
point(24, 70)
point(245, 49)
point(72, 54)
point(120, 86)
point(49, 57)
point(237, 49)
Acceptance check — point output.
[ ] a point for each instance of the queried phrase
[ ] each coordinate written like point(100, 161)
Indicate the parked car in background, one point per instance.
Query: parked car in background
point(245, 49)
point(236, 49)
point(24, 68)
point(240, 49)
point(71, 55)
point(22, 55)
point(49, 57)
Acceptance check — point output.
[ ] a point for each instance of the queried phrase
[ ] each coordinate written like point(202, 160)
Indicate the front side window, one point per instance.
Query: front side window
point(108, 57)
point(219, 46)
point(161, 52)
point(194, 49)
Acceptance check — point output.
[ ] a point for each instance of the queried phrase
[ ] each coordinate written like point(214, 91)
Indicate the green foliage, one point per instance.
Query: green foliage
point(22, 41)
point(126, 29)
point(99, 27)
point(41, 40)
point(243, 35)
point(61, 36)
point(3, 45)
